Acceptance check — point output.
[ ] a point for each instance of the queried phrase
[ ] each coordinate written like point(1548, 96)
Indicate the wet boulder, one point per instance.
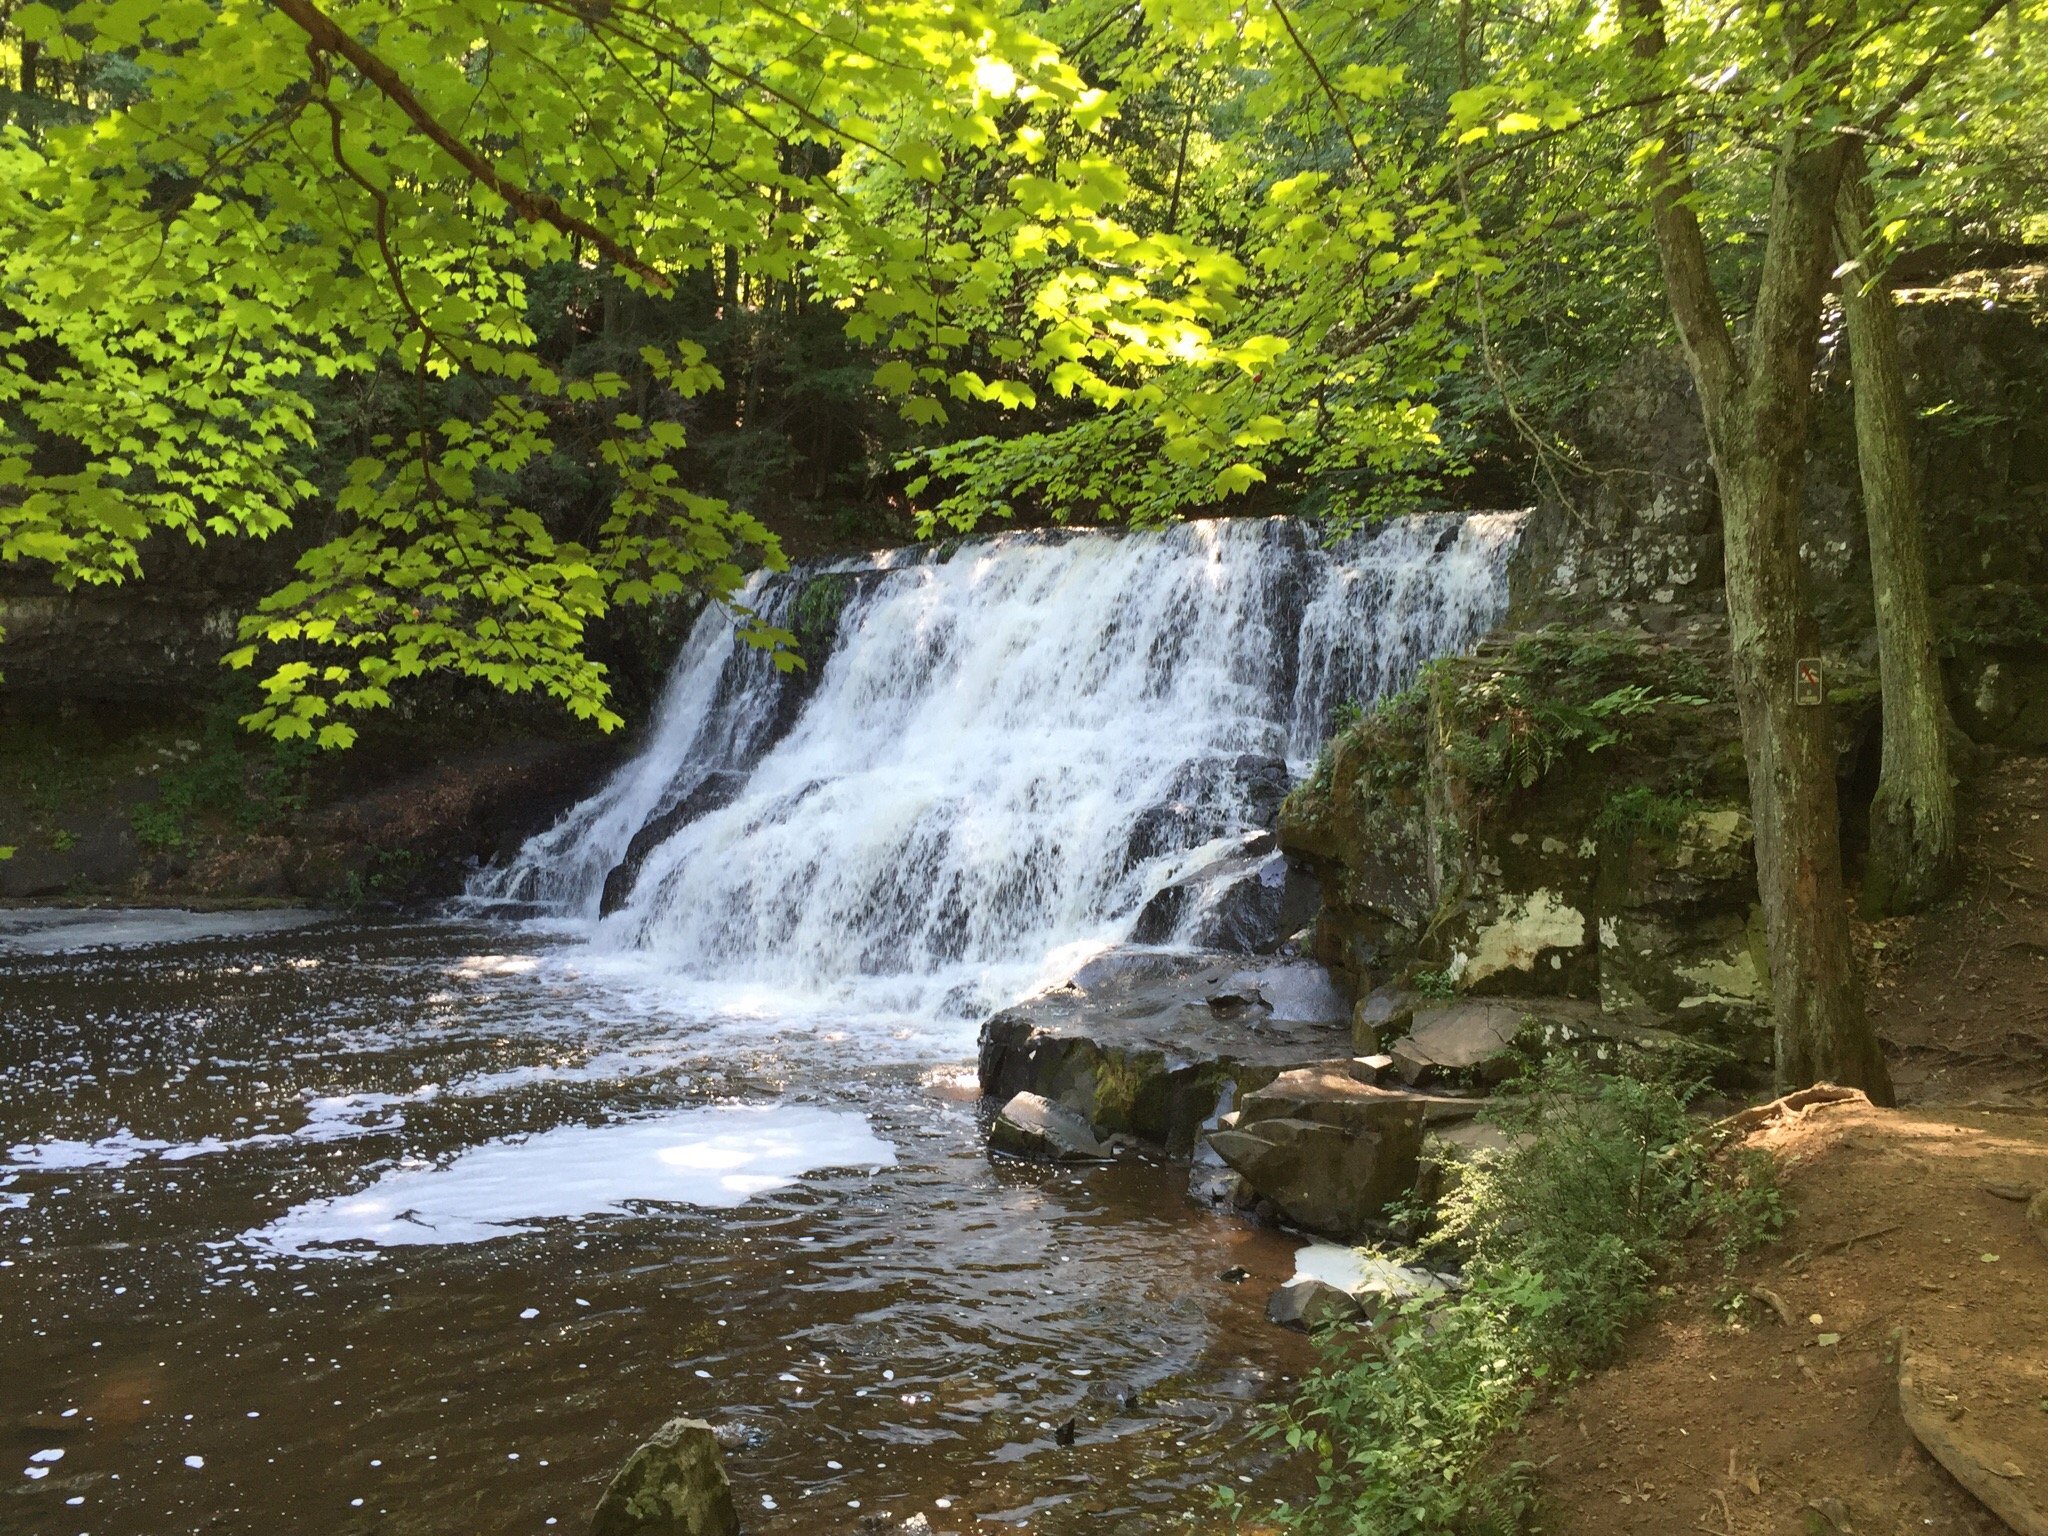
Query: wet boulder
point(1308, 1304)
point(1032, 1126)
point(1248, 901)
point(674, 1485)
point(1331, 1152)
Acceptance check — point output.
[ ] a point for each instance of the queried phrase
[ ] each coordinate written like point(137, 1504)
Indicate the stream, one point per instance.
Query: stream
point(351, 1227)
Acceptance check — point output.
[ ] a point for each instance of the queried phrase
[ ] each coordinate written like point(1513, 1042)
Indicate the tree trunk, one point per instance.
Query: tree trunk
point(1913, 815)
point(1757, 403)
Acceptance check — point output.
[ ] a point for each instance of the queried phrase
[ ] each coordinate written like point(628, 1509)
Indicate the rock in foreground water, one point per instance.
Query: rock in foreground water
point(1031, 1125)
point(674, 1485)
point(1331, 1152)
point(1308, 1304)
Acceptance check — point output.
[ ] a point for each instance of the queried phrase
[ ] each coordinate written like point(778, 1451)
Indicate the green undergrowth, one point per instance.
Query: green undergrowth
point(1560, 1242)
point(224, 779)
point(1555, 693)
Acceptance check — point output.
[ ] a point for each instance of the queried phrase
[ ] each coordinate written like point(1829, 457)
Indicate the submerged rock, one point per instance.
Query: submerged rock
point(674, 1485)
point(1133, 1043)
point(1331, 1152)
point(1309, 1304)
point(716, 790)
point(1032, 1126)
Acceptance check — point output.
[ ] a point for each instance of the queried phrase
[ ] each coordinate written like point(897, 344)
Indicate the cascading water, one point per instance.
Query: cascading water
point(1008, 749)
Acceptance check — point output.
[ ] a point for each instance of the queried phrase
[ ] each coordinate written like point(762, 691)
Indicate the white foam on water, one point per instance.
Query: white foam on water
point(717, 1157)
point(1007, 751)
point(339, 1117)
point(45, 931)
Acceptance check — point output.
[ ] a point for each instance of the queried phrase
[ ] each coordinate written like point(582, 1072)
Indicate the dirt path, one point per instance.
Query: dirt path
point(1756, 1426)
point(1723, 1419)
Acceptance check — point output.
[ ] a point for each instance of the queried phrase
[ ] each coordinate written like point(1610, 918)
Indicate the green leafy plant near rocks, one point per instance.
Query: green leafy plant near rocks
point(1555, 692)
point(1560, 1240)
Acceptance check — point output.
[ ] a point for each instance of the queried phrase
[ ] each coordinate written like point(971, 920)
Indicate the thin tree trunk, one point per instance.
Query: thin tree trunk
point(1757, 404)
point(1913, 815)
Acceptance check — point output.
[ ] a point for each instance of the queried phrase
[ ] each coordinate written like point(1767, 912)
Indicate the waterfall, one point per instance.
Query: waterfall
point(1003, 750)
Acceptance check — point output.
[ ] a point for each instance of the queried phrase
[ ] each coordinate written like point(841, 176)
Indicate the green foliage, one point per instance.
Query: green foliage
point(1560, 1239)
point(1556, 693)
point(388, 876)
point(1642, 811)
point(815, 613)
point(1434, 984)
point(221, 780)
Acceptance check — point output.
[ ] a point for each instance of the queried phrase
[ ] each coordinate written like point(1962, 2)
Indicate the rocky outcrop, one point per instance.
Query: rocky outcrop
point(1561, 815)
point(1032, 1126)
point(1146, 1043)
point(1329, 1152)
point(673, 1485)
point(1635, 537)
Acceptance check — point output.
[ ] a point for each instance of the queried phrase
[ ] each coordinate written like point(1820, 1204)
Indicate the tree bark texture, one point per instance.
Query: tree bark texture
point(1912, 857)
point(1757, 402)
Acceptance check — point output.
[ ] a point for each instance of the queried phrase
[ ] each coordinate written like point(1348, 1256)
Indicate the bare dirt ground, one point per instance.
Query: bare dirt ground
point(1767, 1401)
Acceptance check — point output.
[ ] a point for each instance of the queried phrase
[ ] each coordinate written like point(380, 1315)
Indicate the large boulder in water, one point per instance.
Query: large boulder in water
point(1146, 1042)
point(1032, 1126)
point(674, 1485)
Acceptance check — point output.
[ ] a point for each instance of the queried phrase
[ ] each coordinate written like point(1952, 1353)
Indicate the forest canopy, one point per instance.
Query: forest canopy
point(474, 297)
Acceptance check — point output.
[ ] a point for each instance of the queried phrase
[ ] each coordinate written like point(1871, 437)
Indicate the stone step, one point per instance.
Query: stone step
point(1149, 1043)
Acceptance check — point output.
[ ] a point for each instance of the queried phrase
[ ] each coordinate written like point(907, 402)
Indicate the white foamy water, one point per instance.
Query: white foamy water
point(50, 931)
point(715, 1157)
point(335, 1117)
point(1007, 751)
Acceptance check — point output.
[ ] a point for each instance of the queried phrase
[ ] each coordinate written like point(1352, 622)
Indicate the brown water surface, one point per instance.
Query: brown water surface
point(256, 1273)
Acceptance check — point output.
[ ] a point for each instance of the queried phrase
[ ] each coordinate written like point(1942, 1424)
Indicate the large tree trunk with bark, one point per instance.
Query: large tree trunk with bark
point(1757, 402)
point(1913, 815)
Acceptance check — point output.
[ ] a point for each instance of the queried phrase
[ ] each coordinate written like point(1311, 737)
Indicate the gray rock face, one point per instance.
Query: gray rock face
point(1031, 1125)
point(1457, 1042)
point(718, 789)
point(1133, 1044)
point(674, 1485)
point(1306, 1304)
point(1331, 1152)
point(1247, 902)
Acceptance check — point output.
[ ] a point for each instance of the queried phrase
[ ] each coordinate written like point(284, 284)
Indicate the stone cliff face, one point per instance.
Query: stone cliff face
point(1565, 813)
point(1635, 537)
point(1559, 815)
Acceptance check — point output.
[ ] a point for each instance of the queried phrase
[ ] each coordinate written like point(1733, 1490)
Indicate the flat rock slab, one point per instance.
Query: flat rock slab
point(1146, 1041)
point(1449, 1042)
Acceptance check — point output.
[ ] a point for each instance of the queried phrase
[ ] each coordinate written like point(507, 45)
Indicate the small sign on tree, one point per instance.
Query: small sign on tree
point(1806, 683)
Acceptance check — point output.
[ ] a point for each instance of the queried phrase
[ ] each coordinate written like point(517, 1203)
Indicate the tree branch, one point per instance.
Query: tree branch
point(323, 36)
